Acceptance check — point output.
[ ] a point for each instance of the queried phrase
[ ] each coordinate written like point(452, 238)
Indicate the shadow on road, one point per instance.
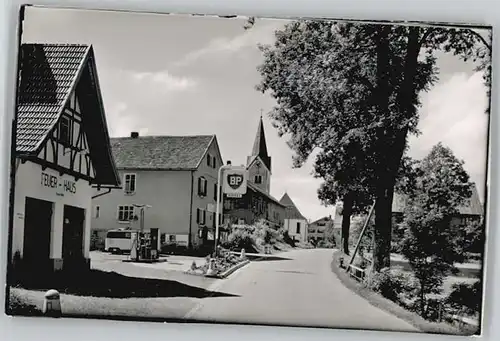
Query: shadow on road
point(113, 285)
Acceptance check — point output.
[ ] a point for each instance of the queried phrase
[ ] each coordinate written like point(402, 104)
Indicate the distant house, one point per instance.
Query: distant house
point(175, 175)
point(316, 230)
point(470, 211)
point(62, 150)
point(257, 204)
point(295, 223)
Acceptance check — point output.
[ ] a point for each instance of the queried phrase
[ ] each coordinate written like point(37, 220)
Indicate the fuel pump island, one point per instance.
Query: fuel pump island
point(145, 246)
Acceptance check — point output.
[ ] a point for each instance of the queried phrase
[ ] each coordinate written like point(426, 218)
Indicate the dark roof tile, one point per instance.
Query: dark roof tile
point(48, 72)
point(292, 212)
point(160, 152)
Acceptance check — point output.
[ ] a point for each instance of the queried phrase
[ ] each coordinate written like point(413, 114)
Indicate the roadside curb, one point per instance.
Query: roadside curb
point(229, 271)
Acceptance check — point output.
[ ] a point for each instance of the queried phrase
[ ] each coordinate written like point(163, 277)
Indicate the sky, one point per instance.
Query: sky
point(184, 75)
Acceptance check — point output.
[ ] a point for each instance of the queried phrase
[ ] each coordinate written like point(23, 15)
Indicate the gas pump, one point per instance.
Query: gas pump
point(145, 246)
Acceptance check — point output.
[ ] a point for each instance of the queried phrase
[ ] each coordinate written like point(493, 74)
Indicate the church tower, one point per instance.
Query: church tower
point(259, 162)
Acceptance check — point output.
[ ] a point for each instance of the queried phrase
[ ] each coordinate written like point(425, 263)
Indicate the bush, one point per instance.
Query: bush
point(286, 238)
point(466, 297)
point(240, 239)
point(393, 284)
point(306, 245)
point(266, 234)
point(325, 244)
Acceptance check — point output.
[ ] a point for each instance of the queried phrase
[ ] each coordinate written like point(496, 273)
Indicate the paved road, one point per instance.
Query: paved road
point(301, 290)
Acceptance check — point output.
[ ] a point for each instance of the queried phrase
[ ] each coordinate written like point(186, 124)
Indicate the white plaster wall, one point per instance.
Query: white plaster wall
point(291, 226)
point(29, 184)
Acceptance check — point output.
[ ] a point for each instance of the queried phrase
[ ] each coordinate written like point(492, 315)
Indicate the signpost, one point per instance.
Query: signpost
point(234, 185)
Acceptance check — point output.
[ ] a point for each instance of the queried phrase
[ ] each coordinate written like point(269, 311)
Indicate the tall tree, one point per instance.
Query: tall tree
point(362, 82)
point(430, 244)
point(335, 86)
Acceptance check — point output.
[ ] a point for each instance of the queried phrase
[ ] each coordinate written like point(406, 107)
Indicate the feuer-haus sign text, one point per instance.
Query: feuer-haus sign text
point(52, 181)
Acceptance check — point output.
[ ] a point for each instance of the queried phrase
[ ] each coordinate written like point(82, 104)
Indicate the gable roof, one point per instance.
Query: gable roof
point(324, 219)
point(292, 210)
point(269, 196)
point(161, 152)
point(472, 206)
point(49, 74)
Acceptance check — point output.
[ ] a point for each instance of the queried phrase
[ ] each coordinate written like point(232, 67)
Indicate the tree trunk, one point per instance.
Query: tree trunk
point(422, 299)
point(346, 222)
point(383, 229)
point(391, 161)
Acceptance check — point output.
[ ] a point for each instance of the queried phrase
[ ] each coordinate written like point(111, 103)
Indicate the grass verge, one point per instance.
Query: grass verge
point(391, 307)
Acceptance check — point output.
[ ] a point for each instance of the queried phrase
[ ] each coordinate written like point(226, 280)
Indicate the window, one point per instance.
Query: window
point(209, 160)
point(171, 238)
point(214, 162)
point(96, 211)
point(162, 238)
point(298, 227)
point(202, 186)
point(125, 213)
point(215, 192)
point(118, 235)
point(258, 179)
point(130, 182)
point(214, 219)
point(200, 216)
point(65, 131)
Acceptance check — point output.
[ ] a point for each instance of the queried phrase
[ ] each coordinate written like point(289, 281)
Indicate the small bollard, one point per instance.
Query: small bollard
point(243, 254)
point(211, 268)
point(52, 304)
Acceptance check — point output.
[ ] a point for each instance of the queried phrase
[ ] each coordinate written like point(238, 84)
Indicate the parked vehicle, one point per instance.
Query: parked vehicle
point(118, 241)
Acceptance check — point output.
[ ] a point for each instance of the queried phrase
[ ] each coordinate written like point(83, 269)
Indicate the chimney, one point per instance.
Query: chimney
point(134, 134)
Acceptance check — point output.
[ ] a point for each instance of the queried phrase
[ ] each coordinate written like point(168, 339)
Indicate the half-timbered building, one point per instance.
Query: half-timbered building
point(62, 150)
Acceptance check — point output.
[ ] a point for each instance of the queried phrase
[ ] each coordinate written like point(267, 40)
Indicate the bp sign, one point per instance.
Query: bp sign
point(235, 181)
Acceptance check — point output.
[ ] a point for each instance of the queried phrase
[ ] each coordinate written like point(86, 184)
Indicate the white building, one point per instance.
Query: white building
point(295, 223)
point(62, 151)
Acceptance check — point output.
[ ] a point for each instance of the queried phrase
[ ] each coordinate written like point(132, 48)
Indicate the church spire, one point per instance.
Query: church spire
point(259, 146)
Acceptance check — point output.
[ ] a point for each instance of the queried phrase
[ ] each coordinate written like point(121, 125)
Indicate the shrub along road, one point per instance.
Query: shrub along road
point(299, 289)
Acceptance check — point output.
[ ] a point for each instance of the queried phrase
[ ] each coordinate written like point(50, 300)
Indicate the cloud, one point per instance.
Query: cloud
point(164, 80)
point(453, 113)
point(261, 33)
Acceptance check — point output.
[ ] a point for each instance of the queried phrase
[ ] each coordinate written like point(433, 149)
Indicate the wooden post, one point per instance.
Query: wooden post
point(361, 236)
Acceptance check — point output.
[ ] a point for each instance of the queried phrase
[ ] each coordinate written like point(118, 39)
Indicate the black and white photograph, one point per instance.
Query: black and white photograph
point(294, 172)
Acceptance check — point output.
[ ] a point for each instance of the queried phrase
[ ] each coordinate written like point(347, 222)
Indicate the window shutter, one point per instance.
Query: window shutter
point(132, 183)
point(204, 216)
point(205, 187)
